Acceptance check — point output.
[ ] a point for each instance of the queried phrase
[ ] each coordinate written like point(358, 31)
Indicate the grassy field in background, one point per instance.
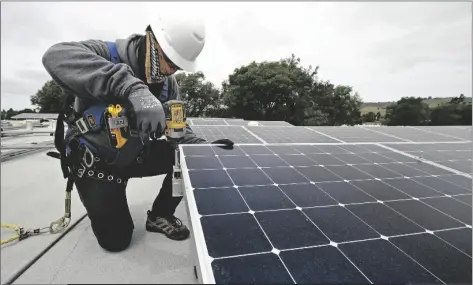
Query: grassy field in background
point(381, 106)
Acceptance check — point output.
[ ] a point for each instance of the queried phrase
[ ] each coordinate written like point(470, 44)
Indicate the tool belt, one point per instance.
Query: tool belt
point(98, 142)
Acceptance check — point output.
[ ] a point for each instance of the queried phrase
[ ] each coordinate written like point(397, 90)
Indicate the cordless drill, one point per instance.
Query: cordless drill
point(175, 112)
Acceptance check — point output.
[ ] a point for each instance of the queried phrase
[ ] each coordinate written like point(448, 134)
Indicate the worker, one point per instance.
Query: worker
point(138, 73)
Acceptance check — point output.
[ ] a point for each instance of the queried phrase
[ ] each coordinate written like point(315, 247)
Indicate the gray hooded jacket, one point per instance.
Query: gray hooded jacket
point(84, 70)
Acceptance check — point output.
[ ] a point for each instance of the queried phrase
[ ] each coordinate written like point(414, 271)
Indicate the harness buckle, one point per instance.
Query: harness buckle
point(82, 125)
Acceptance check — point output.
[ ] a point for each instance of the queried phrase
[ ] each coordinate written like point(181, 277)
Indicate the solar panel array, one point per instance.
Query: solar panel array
point(304, 205)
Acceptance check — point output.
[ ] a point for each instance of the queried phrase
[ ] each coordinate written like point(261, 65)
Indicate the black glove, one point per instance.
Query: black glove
point(149, 113)
point(227, 144)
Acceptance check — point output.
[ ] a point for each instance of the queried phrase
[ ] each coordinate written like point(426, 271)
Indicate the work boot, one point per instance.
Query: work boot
point(170, 226)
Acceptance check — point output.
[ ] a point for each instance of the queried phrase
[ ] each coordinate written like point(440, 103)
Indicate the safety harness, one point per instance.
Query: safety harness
point(75, 152)
point(77, 155)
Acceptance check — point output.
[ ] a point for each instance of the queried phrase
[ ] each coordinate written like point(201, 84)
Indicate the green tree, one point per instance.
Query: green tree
point(339, 104)
point(407, 111)
point(201, 97)
point(10, 113)
point(50, 98)
point(269, 91)
point(456, 112)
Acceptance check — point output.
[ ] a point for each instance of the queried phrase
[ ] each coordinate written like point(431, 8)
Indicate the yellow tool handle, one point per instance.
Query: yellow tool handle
point(115, 110)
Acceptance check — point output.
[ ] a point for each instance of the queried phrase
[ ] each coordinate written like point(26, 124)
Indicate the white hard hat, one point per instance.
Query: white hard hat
point(181, 38)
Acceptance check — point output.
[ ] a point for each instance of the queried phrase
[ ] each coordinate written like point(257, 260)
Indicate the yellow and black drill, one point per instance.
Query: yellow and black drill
point(176, 123)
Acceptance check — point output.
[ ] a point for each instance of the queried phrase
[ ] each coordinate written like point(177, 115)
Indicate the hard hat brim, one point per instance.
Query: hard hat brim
point(171, 53)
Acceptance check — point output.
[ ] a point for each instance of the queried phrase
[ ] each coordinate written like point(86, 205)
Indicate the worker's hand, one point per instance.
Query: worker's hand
point(226, 143)
point(149, 113)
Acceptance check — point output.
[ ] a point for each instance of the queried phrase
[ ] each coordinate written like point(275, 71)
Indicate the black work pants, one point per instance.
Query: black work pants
point(106, 202)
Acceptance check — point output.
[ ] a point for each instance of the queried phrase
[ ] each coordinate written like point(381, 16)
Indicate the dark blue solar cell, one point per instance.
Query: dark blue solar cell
point(379, 190)
point(430, 169)
point(385, 264)
point(451, 207)
point(284, 175)
point(459, 180)
point(306, 149)
point(255, 149)
point(375, 157)
point(424, 215)
point(404, 169)
point(321, 265)
point(339, 224)
point(253, 269)
point(219, 201)
point(441, 186)
point(444, 261)
point(345, 193)
point(464, 198)
point(236, 161)
point(412, 188)
point(234, 234)
point(203, 162)
point(307, 195)
point(268, 160)
point(282, 149)
point(325, 159)
point(297, 160)
point(200, 178)
point(348, 172)
point(378, 171)
point(265, 198)
point(384, 220)
point(349, 158)
point(290, 229)
point(198, 150)
point(318, 174)
point(331, 149)
point(249, 177)
point(459, 238)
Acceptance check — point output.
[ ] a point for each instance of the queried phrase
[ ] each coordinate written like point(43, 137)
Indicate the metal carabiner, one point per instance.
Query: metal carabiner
point(64, 221)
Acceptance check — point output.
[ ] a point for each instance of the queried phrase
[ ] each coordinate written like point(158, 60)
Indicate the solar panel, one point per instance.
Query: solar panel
point(326, 214)
point(356, 134)
point(202, 122)
point(234, 133)
point(290, 135)
point(463, 132)
point(453, 155)
point(415, 134)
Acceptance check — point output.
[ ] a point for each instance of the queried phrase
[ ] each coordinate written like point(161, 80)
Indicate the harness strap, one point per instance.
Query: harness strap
point(112, 47)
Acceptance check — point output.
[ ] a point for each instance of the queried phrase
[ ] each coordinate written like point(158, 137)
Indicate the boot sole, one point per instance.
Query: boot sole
point(157, 230)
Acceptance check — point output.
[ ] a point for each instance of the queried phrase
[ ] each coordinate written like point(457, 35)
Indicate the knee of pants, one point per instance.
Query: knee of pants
point(114, 240)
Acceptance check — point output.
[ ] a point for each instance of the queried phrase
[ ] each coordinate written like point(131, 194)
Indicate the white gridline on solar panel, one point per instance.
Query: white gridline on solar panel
point(332, 243)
